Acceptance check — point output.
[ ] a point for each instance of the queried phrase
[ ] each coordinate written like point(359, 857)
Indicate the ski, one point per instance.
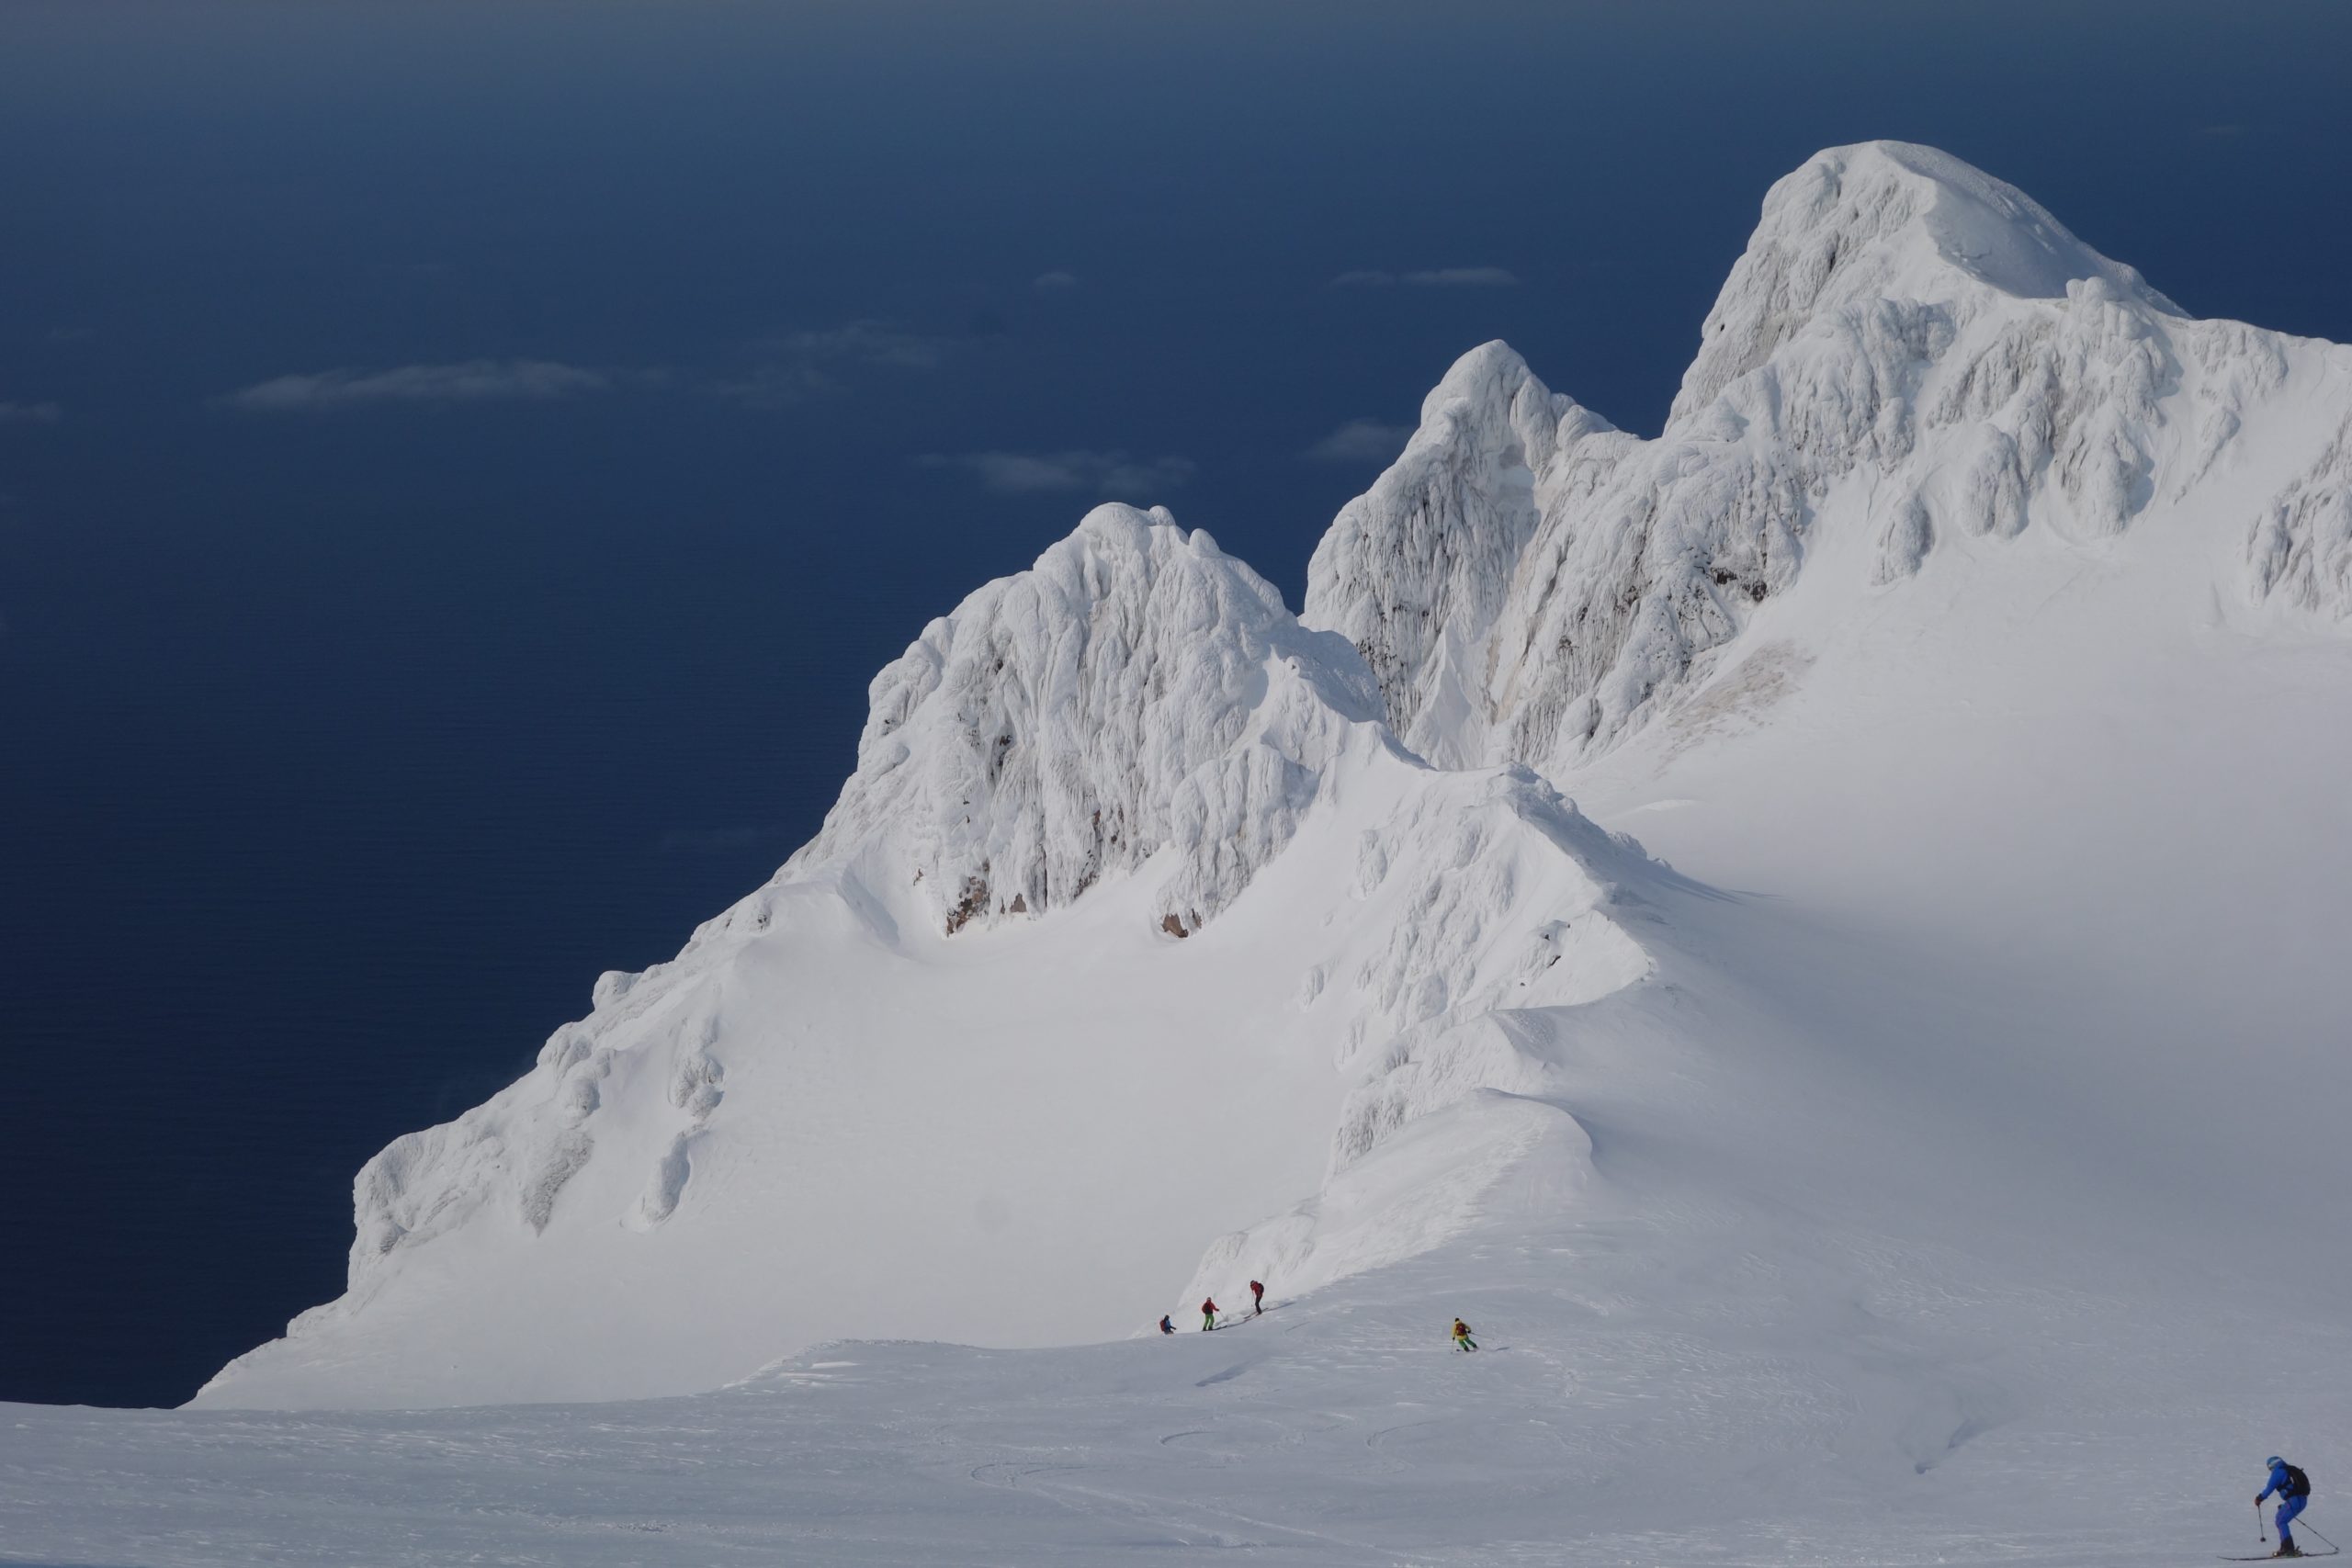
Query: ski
point(2274, 1557)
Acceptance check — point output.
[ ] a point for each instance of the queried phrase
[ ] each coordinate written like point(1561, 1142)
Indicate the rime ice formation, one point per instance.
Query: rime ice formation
point(2299, 548)
point(1136, 688)
point(1908, 351)
point(1137, 709)
point(1152, 915)
point(1416, 569)
point(1130, 744)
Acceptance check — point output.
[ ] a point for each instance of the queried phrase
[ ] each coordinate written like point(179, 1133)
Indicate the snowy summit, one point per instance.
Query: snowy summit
point(1971, 641)
point(954, 1031)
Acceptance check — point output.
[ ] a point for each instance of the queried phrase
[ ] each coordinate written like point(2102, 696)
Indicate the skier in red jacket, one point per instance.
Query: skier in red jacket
point(1208, 1314)
point(1256, 1298)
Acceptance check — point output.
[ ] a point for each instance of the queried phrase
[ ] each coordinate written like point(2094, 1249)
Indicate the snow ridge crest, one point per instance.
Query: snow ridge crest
point(1137, 690)
point(1909, 356)
point(1413, 571)
point(1879, 219)
point(1909, 351)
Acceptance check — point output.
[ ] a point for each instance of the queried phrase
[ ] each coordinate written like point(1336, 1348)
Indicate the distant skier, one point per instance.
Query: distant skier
point(2294, 1489)
point(1462, 1340)
point(1256, 1298)
point(1208, 1314)
point(1166, 1327)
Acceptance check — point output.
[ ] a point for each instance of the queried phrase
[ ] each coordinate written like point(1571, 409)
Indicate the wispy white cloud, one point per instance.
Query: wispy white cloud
point(1046, 282)
point(1433, 278)
point(1037, 473)
point(774, 384)
point(473, 381)
point(30, 413)
point(1360, 441)
point(1464, 278)
point(861, 343)
point(773, 372)
point(801, 367)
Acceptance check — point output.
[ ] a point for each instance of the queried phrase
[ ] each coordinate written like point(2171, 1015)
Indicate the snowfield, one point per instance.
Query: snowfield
point(1658, 1384)
point(1934, 1157)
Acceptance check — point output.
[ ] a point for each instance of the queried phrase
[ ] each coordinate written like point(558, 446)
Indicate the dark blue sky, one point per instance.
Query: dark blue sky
point(623, 383)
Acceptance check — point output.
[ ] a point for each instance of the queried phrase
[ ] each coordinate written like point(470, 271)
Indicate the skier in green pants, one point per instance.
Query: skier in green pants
point(1462, 1340)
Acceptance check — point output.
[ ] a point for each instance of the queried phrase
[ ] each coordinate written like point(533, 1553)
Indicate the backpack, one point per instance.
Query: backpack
point(2298, 1484)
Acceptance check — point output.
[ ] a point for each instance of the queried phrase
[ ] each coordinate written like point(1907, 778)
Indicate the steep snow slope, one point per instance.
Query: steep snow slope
point(1977, 607)
point(1974, 601)
point(1728, 1346)
point(1135, 690)
point(1908, 351)
point(1778, 1270)
point(2098, 787)
point(917, 1086)
point(1418, 569)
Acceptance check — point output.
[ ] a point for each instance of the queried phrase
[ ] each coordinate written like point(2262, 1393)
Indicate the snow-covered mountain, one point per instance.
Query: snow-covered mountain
point(1910, 356)
point(1977, 603)
point(1131, 900)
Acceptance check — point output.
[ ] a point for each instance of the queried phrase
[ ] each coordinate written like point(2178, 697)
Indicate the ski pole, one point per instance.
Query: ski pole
point(2259, 1533)
point(2322, 1539)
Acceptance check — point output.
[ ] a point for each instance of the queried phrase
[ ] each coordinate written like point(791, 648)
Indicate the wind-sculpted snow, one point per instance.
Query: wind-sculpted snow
point(1137, 709)
point(1083, 763)
point(1414, 571)
point(1500, 916)
point(1139, 925)
point(1136, 688)
point(1908, 352)
point(1884, 221)
point(845, 1089)
point(2300, 547)
point(1362, 1007)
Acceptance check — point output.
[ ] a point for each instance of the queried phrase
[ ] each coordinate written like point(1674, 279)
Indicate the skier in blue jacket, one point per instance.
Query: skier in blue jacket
point(2294, 1489)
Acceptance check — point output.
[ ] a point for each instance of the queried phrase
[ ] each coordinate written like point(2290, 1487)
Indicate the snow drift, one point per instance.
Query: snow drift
point(1975, 601)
